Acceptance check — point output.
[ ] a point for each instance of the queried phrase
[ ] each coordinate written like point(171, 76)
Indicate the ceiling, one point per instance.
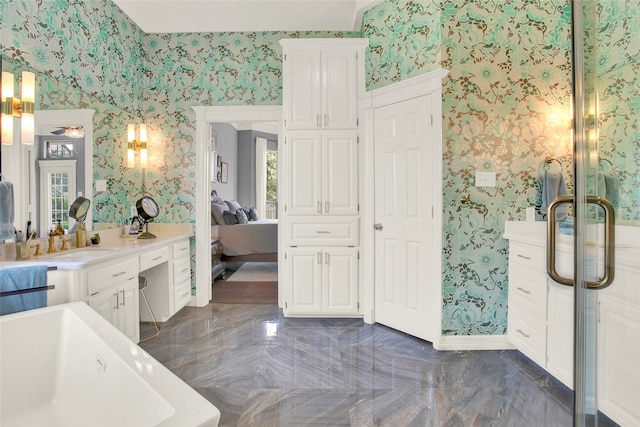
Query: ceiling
point(171, 16)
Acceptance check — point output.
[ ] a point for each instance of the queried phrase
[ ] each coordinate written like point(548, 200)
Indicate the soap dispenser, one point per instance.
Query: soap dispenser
point(81, 235)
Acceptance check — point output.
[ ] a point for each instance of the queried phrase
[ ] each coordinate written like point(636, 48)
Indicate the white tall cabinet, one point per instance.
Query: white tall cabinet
point(322, 79)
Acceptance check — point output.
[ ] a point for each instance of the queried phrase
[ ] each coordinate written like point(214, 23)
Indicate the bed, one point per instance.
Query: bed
point(252, 239)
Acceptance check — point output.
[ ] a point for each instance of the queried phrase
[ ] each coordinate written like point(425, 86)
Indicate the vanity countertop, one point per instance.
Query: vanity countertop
point(112, 246)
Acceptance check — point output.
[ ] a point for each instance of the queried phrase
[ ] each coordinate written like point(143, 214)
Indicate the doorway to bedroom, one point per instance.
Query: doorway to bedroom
point(247, 283)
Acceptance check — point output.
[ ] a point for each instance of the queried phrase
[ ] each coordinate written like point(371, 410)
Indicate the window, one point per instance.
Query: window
point(59, 150)
point(272, 185)
point(57, 192)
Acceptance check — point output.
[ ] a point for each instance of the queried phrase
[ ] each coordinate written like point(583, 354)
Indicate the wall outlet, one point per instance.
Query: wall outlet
point(133, 211)
point(485, 179)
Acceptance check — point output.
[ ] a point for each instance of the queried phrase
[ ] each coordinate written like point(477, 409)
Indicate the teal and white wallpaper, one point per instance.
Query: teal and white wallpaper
point(506, 107)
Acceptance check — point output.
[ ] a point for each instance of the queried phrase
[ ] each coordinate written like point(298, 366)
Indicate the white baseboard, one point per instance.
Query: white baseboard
point(473, 342)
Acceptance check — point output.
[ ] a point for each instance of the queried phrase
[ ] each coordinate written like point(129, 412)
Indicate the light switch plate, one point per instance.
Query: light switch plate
point(485, 179)
point(101, 185)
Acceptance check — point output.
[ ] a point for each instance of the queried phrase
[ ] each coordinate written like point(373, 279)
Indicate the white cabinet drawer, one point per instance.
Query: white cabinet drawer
point(323, 231)
point(528, 291)
point(181, 271)
point(527, 256)
point(529, 335)
point(181, 249)
point(182, 295)
point(151, 259)
point(110, 275)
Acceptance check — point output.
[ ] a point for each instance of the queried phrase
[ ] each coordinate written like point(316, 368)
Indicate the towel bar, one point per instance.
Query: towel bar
point(26, 291)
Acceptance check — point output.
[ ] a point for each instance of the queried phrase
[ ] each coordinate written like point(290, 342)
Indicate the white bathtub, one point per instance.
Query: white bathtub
point(67, 366)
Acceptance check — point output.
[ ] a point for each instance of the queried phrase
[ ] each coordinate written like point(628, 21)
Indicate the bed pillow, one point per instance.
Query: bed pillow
point(242, 217)
point(247, 212)
point(229, 218)
point(233, 205)
point(253, 214)
point(217, 209)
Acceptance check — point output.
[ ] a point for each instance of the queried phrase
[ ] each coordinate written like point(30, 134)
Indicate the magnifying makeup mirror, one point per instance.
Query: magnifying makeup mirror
point(79, 209)
point(147, 211)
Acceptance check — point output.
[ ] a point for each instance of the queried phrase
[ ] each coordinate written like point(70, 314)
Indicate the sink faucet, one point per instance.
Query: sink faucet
point(52, 243)
point(64, 244)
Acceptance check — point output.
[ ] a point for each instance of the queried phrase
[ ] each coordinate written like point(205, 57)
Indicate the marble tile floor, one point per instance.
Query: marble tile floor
point(263, 369)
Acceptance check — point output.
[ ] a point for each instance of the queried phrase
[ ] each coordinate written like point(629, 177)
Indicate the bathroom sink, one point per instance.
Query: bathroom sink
point(83, 254)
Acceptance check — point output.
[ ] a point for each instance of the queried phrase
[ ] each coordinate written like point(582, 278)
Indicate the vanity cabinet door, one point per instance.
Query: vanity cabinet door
point(105, 305)
point(119, 305)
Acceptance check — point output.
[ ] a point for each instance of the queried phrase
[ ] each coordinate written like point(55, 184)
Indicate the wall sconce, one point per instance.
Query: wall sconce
point(13, 107)
point(134, 145)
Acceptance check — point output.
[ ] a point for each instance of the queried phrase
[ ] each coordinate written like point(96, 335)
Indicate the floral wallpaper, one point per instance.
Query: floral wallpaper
point(404, 40)
point(505, 107)
point(617, 55)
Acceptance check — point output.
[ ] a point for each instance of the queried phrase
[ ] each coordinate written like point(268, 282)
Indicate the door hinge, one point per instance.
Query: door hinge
point(358, 254)
point(285, 125)
point(285, 255)
point(285, 208)
point(358, 305)
point(432, 120)
point(358, 139)
point(432, 212)
point(599, 311)
point(285, 305)
point(357, 122)
point(285, 56)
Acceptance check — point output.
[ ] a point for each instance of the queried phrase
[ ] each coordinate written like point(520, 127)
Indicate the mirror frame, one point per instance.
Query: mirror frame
point(78, 117)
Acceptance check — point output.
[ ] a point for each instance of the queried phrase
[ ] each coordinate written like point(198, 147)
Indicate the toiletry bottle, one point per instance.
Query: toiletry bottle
point(52, 242)
point(135, 225)
point(81, 235)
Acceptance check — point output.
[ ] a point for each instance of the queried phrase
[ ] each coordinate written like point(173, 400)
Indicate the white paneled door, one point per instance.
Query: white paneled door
point(404, 200)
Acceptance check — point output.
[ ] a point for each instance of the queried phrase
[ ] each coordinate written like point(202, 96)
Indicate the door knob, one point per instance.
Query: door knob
point(377, 226)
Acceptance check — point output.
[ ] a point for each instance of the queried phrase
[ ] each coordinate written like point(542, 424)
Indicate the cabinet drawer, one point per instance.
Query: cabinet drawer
point(323, 232)
point(181, 271)
point(528, 291)
point(151, 259)
point(529, 335)
point(180, 249)
point(182, 295)
point(110, 275)
point(524, 255)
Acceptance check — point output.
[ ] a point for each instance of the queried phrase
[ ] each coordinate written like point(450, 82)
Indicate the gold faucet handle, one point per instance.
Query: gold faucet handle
point(38, 252)
point(64, 244)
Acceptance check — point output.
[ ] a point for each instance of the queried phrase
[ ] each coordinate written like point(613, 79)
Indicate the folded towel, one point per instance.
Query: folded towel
point(20, 278)
point(553, 187)
point(612, 188)
point(7, 212)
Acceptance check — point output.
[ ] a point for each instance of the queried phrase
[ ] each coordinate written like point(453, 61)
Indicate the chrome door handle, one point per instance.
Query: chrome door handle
point(377, 226)
point(609, 242)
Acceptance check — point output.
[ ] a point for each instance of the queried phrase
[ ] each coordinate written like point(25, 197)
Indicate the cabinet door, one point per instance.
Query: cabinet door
point(128, 300)
point(340, 173)
point(618, 354)
point(560, 333)
point(105, 304)
point(339, 89)
point(340, 277)
point(304, 267)
point(305, 166)
point(302, 96)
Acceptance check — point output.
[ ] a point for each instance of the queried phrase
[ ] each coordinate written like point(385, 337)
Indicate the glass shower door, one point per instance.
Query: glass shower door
point(606, 170)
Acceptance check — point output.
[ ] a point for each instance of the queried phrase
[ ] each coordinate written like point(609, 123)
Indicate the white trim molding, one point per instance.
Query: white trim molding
point(204, 117)
point(473, 342)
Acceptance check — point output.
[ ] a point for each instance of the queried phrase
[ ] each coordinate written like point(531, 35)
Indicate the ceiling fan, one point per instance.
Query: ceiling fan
point(70, 131)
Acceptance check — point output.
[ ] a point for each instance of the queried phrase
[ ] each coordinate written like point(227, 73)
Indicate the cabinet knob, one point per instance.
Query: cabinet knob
point(377, 226)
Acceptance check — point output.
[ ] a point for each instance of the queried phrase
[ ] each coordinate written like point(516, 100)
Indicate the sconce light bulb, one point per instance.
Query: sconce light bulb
point(28, 126)
point(7, 85)
point(131, 133)
point(143, 132)
point(130, 158)
point(28, 87)
point(143, 157)
point(7, 129)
